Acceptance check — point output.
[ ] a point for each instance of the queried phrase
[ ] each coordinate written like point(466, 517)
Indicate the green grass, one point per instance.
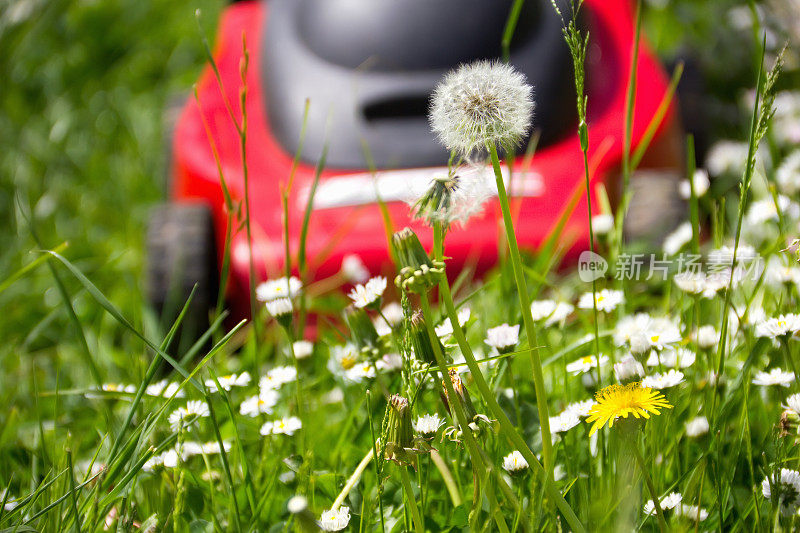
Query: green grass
point(84, 89)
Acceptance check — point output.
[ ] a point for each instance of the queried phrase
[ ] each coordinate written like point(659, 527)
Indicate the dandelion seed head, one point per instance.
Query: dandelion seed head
point(485, 102)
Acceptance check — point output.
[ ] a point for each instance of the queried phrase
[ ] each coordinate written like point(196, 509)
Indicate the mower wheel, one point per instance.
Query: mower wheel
point(656, 207)
point(181, 254)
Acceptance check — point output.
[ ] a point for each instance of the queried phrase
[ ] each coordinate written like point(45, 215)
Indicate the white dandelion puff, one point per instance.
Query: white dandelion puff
point(486, 102)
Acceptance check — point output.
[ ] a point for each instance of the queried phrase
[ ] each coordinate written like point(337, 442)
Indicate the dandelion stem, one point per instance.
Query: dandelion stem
point(410, 501)
point(506, 426)
point(377, 465)
point(447, 477)
point(525, 308)
point(352, 480)
point(461, 418)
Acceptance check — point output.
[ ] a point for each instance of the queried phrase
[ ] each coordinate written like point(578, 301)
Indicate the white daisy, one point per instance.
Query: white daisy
point(297, 504)
point(369, 294)
point(581, 408)
point(277, 377)
point(607, 300)
point(360, 372)
point(280, 307)
point(191, 448)
point(726, 157)
point(515, 463)
point(550, 311)
point(663, 381)
point(692, 512)
point(793, 403)
point(334, 519)
point(262, 403)
point(445, 329)
point(302, 349)
point(778, 274)
point(392, 312)
point(284, 426)
point(628, 368)
point(165, 389)
point(787, 488)
point(788, 173)
point(428, 425)
point(697, 426)
point(776, 376)
point(585, 364)
point(707, 336)
point(672, 358)
point(776, 327)
point(676, 240)
point(390, 361)
point(185, 416)
point(670, 501)
point(354, 269)
point(342, 359)
point(118, 387)
point(564, 421)
point(11, 503)
point(278, 288)
point(662, 333)
point(502, 337)
point(602, 224)
point(700, 184)
point(762, 211)
point(229, 381)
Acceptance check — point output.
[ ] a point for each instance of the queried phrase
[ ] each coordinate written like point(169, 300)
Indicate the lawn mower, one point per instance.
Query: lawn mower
point(366, 69)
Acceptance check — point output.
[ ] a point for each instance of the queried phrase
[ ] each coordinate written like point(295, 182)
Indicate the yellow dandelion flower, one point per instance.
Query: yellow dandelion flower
point(621, 400)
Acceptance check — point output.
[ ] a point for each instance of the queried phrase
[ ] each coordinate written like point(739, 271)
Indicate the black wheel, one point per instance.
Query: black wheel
point(181, 254)
point(656, 207)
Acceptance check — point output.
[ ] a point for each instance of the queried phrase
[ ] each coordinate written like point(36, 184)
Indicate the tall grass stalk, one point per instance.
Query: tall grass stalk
point(527, 317)
point(578, 45)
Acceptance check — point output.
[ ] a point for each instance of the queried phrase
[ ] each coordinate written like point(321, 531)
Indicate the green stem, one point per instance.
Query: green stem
point(506, 427)
point(461, 418)
point(351, 482)
point(410, 501)
point(447, 477)
point(525, 308)
point(662, 522)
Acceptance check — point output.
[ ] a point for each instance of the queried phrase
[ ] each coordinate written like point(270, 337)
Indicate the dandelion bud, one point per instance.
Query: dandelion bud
point(362, 329)
point(481, 104)
point(399, 432)
point(462, 395)
point(790, 423)
point(421, 341)
point(417, 272)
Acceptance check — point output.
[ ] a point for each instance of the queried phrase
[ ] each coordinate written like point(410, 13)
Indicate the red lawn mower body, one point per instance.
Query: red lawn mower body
point(544, 185)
